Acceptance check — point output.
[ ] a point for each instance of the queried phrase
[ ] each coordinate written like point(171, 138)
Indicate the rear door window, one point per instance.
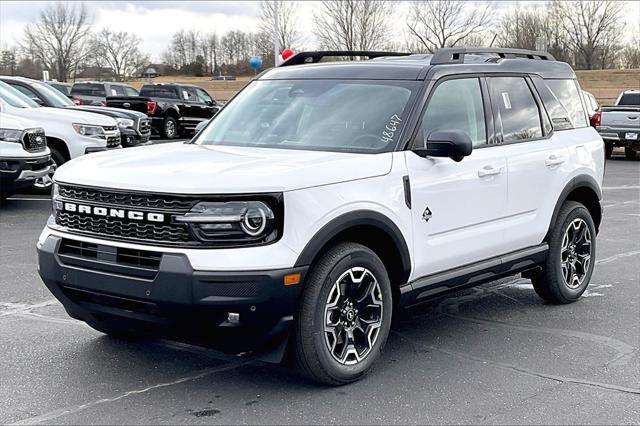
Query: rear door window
point(517, 107)
point(158, 92)
point(627, 99)
point(567, 93)
point(117, 90)
point(130, 91)
point(88, 89)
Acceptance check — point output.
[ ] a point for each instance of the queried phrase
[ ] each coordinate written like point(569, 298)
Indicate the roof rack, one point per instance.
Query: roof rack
point(455, 55)
point(316, 56)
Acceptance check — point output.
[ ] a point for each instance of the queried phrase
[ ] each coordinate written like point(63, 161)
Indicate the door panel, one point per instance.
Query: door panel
point(466, 209)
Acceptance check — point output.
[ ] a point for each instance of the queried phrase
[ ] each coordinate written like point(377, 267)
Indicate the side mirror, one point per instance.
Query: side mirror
point(454, 144)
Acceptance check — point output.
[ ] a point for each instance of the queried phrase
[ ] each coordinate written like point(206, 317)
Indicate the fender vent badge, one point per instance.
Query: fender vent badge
point(426, 215)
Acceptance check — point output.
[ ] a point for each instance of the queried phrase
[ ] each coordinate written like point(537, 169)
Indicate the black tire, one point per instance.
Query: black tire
point(608, 150)
point(551, 283)
point(311, 351)
point(170, 128)
point(630, 153)
point(58, 160)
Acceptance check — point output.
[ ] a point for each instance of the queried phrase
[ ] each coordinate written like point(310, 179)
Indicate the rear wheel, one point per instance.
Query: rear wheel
point(344, 317)
point(170, 128)
point(572, 252)
point(630, 153)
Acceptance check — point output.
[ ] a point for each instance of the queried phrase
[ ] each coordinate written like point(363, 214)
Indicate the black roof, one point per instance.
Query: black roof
point(418, 66)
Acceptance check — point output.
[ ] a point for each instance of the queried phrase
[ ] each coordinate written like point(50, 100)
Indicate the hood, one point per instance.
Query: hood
point(8, 121)
point(196, 169)
point(71, 116)
point(108, 111)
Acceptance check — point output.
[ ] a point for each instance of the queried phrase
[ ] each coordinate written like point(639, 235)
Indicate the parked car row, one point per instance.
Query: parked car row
point(618, 125)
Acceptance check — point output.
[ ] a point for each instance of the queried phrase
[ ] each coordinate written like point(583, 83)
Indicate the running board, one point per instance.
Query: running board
point(472, 275)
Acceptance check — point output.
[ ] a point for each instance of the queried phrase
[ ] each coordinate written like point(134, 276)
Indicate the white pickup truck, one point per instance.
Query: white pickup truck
point(70, 134)
point(619, 125)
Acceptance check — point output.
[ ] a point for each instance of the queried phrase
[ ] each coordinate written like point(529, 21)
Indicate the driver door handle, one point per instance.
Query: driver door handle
point(489, 171)
point(554, 160)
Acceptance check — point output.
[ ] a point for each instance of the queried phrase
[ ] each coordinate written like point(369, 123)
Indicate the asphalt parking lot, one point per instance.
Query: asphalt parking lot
point(496, 354)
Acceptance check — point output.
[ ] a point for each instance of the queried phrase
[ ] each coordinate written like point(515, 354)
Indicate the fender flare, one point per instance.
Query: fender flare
point(580, 181)
point(350, 220)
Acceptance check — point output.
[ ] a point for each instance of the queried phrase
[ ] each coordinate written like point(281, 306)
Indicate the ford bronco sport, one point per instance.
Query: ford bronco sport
point(327, 195)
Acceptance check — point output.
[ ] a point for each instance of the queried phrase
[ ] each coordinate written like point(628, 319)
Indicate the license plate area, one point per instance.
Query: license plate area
point(631, 136)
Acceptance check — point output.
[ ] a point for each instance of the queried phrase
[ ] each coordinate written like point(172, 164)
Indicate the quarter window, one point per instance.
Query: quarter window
point(518, 109)
point(567, 93)
point(456, 105)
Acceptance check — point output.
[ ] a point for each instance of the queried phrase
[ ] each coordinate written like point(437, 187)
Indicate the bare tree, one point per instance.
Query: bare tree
point(447, 23)
point(280, 18)
point(60, 37)
point(593, 27)
point(119, 51)
point(631, 56)
point(353, 24)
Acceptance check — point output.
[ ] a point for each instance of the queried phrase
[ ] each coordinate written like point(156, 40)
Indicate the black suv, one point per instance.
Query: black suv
point(95, 93)
point(174, 109)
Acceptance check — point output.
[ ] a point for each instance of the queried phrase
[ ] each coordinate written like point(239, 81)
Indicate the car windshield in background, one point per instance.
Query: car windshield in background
point(15, 98)
point(630, 99)
point(53, 97)
point(87, 89)
point(328, 115)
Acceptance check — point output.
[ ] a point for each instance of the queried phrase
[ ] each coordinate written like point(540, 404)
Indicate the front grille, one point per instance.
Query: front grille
point(111, 254)
point(34, 140)
point(125, 230)
point(113, 141)
point(144, 125)
point(134, 200)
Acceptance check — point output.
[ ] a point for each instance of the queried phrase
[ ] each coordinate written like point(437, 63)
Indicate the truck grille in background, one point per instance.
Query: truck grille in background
point(123, 229)
point(34, 140)
point(113, 141)
point(144, 125)
point(110, 128)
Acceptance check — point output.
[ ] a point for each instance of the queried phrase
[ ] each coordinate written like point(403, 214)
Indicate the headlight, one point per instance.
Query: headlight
point(56, 204)
point(10, 135)
point(124, 122)
point(95, 132)
point(232, 222)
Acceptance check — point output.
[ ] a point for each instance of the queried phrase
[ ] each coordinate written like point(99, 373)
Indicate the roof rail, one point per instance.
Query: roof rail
point(455, 55)
point(316, 56)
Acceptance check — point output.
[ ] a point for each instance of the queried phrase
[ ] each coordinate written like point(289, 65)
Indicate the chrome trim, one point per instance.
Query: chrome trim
point(35, 174)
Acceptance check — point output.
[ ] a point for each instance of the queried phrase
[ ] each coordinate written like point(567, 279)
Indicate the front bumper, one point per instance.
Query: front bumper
point(21, 172)
point(131, 137)
point(103, 283)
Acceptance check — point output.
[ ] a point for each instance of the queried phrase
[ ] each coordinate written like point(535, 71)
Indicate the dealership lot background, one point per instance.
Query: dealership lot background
point(495, 354)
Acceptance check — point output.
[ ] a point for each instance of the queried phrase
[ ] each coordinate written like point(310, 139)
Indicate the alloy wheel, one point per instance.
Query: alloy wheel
point(575, 253)
point(353, 316)
point(170, 128)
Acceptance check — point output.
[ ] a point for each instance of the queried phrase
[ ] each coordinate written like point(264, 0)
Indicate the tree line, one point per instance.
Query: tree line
point(586, 34)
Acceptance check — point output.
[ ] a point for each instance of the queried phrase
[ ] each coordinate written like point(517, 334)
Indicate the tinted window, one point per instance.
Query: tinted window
point(24, 90)
point(66, 90)
point(330, 115)
point(558, 114)
point(518, 109)
point(88, 89)
point(456, 105)
point(158, 92)
point(130, 91)
point(189, 94)
point(116, 90)
point(14, 97)
point(567, 93)
point(630, 99)
point(203, 96)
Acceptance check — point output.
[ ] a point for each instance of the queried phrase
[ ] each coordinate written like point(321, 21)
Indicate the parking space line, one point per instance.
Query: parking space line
point(55, 414)
point(617, 256)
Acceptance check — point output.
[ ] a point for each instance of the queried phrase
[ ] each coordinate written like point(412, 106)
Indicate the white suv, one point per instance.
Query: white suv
point(69, 133)
point(326, 196)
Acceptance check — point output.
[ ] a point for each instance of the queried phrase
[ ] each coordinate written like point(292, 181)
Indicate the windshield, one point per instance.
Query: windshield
point(52, 96)
point(15, 98)
point(329, 115)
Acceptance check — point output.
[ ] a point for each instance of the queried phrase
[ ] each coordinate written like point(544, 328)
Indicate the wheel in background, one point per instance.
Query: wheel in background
point(170, 128)
point(344, 316)
point(571, 258)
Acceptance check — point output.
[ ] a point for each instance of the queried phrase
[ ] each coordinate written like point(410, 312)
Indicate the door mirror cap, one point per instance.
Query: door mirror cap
point(454, 144)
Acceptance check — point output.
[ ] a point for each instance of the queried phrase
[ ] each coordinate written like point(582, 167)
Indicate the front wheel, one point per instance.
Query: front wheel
point(572, 252)
point(344, 316)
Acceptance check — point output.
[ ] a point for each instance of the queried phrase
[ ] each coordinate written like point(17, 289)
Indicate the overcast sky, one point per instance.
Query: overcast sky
point(155, 21)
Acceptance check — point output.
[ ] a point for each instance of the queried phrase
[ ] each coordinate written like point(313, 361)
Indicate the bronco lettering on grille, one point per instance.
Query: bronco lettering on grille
point(111, 212)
